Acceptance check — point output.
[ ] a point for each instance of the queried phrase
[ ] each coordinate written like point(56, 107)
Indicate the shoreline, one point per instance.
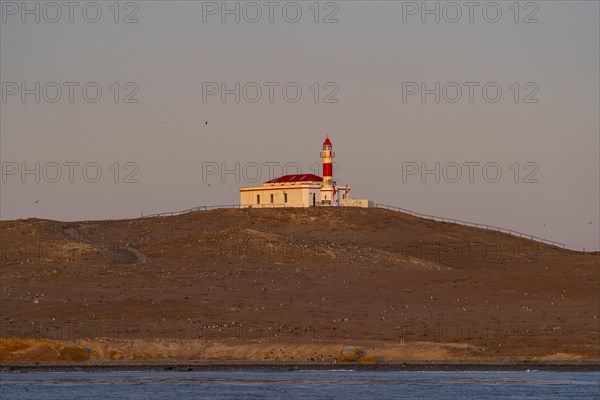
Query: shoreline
point(579, 366)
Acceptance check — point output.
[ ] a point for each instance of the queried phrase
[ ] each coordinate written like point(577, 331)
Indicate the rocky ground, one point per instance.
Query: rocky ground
point(278, 285)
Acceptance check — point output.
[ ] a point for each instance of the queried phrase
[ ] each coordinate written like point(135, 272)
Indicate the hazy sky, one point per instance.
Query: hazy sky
point(370, 68)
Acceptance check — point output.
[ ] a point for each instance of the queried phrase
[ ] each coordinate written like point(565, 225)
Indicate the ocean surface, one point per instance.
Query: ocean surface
point(333, 384)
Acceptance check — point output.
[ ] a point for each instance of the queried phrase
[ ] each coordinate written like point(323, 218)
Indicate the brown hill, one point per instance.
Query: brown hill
point(275, 284)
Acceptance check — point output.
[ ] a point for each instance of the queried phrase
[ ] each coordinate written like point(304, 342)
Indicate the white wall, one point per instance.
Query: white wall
point(357, 203)
point(296, 197)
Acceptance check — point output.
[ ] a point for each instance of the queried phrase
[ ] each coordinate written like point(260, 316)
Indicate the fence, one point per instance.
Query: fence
point(387, 207)
point(467, 223)
point(191, 210)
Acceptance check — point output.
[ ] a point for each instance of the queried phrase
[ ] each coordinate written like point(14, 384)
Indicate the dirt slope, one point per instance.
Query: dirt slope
point(270, 278)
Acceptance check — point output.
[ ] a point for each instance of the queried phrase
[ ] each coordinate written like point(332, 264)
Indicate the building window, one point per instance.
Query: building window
point(258, 199)
point(285, 197)
point(271, 199)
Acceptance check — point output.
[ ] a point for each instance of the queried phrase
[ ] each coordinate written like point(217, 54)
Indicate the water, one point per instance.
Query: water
point(301, 385)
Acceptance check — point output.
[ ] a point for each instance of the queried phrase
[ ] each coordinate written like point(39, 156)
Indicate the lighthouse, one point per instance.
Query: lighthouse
point(328, 191)
point(302, 190)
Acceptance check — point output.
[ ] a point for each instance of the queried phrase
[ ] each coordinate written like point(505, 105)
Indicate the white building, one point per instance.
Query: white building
point(287, 191)
point(302, 190)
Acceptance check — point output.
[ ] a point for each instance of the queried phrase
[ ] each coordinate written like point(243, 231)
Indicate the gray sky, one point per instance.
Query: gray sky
point(367, 63)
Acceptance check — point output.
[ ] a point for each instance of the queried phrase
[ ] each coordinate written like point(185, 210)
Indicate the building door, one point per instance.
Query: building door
point(314, 199)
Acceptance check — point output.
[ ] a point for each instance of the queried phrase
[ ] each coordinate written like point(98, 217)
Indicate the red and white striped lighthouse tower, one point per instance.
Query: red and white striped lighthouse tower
point(328, 192)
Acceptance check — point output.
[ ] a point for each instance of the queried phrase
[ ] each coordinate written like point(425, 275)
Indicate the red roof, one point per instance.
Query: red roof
point(327, 142)
point(296, 178)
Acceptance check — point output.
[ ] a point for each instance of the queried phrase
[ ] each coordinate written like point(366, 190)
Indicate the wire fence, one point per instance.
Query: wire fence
point(191, 210)
point(383, 206)
point(473, 224)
